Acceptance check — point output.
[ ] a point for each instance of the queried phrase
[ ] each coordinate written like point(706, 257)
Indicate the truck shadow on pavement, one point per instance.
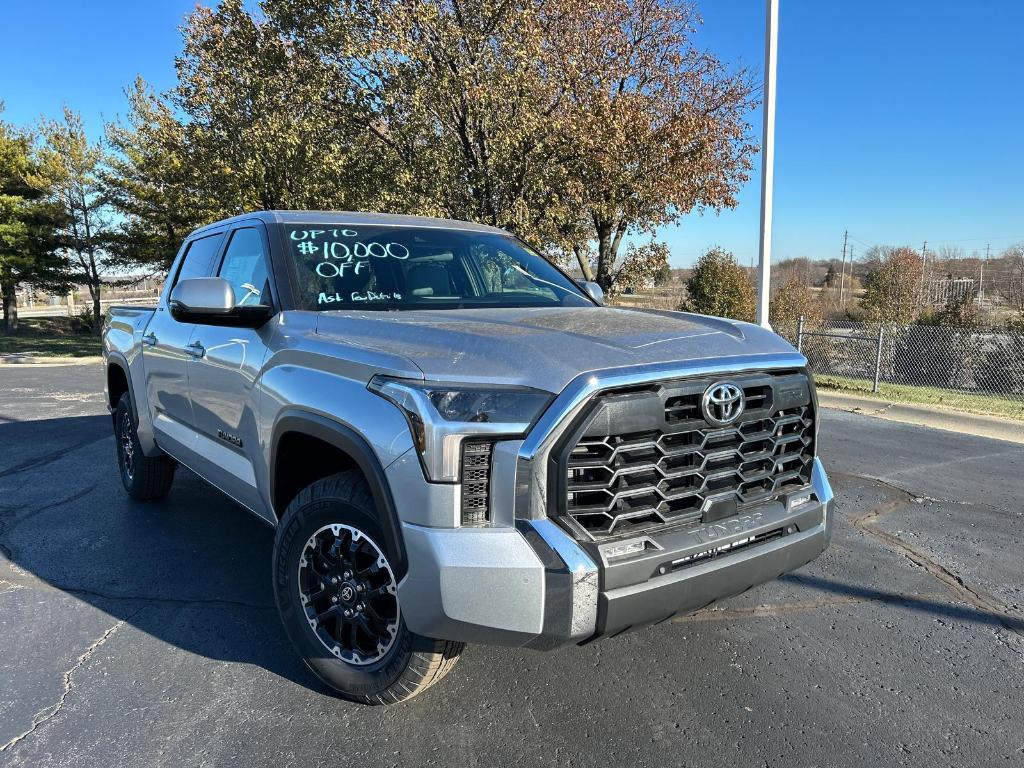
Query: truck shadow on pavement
point(192, 571)
point(938, 608)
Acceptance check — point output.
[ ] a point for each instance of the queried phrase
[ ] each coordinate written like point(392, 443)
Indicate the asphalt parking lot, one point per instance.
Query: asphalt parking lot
point(135, 634)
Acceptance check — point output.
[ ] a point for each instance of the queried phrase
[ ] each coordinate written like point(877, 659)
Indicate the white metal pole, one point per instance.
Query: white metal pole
point(771, 35)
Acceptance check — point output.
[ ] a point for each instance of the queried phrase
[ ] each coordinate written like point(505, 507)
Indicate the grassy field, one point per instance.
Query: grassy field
point(992, 405)
point(50, 337)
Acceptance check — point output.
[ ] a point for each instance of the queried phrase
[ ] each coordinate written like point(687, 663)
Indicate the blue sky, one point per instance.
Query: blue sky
point(900, 121)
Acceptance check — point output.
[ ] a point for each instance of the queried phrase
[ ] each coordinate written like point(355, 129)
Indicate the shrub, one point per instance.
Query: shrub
point(891, 287)
point(719, 286)
point(790, 302)
point(83, 321)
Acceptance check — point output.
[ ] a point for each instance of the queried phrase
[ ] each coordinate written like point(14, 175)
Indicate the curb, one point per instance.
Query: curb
point(926, 416)
point(18, 359)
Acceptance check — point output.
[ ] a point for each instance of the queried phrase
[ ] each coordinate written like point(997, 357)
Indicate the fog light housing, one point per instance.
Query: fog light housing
point(476, 482)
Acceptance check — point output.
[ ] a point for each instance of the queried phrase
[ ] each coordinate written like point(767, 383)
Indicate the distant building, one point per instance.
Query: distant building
point(943, 290)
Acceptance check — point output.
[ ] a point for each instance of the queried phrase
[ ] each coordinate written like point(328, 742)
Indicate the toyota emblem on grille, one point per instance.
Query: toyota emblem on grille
point(722, 403)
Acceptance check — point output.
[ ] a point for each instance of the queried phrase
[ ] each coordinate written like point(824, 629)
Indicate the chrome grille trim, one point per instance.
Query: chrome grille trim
point(632, 463)
point(531, 497)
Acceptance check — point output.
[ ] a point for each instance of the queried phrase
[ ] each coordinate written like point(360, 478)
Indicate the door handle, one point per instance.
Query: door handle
point(196, 350)
point(149, 339)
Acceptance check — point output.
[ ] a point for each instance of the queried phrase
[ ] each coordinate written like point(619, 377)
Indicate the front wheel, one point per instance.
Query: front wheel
point(143, 477)
point(337, 594)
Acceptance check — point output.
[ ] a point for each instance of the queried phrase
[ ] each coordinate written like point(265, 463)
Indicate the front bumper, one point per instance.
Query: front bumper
point(761, 546)
point(535, 586)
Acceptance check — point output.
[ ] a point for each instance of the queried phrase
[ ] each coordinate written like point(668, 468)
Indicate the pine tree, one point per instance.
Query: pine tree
point(27, 224)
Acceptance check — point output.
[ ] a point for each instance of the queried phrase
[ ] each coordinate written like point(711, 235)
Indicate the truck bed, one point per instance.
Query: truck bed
point(123, 328)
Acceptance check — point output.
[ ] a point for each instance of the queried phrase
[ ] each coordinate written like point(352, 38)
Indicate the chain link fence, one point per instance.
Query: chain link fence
point(980, 370)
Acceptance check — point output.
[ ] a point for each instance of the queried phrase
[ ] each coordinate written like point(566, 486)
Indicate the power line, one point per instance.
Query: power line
point(858, 240)
point(987, 239)
point(943, 240)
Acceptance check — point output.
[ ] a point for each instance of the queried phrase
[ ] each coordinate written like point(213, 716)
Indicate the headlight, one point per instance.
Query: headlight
point(440, 415)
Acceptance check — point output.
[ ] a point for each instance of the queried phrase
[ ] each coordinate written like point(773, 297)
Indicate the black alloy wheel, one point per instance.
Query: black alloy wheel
point(126, 445)
point(349, 594)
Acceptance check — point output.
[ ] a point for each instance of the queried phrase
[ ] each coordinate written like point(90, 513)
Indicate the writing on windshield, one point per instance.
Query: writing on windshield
point(381, 267)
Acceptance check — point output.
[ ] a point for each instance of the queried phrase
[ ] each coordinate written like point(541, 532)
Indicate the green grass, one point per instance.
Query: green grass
point(991, 405)
point(50, 337)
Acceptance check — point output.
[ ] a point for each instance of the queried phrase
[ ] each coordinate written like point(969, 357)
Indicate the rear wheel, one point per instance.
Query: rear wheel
point(336, 591)
point(143, 477)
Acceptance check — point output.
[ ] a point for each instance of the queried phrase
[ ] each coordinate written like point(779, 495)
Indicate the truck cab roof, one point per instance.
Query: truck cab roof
point(355, 218)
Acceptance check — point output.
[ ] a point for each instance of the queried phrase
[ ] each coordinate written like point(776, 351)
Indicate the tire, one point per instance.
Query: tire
point(144, 477)
point(330, 532)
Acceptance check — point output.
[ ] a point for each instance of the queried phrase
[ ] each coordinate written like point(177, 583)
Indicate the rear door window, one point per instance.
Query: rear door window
point(198, 260)
point(245, 267)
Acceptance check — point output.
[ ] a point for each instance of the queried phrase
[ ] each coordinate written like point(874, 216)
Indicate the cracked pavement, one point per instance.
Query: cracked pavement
point(145, 633)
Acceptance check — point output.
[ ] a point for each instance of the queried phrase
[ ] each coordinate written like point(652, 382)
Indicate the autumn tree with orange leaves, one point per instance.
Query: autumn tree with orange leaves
point(657, 125)
point(575, 124)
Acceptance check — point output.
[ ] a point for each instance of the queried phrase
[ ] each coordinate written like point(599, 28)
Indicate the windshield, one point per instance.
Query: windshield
point(386, 268)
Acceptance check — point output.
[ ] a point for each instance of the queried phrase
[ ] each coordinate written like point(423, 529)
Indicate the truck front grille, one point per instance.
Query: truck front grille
point(644, 458)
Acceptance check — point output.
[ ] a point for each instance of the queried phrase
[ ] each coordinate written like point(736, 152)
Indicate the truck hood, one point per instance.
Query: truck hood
point(543, 348)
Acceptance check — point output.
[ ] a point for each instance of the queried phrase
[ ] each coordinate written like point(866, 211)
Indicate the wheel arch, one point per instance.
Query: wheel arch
point(118, 383)
point(296, 432)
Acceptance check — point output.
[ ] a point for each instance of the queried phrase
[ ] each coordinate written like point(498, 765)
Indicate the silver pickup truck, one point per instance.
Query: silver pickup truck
point(456, 442)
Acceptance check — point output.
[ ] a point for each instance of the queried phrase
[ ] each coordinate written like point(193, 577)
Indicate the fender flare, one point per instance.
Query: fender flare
point(116, 359)
point(139, 408)
point(353, 444)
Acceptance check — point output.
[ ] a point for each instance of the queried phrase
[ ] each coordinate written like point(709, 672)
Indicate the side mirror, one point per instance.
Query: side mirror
point(211, 301)
point(592, 289)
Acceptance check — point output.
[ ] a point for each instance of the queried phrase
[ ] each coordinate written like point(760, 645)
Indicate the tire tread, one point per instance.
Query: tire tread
point(430, 659)
point(153, 474)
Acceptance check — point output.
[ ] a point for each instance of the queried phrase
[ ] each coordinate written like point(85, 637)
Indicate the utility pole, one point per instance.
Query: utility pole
point(924, 264)
point(771, 34)
point(842, 273)
point(981, 275)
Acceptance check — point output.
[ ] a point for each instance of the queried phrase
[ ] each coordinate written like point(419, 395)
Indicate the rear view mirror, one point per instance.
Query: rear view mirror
point(211, 301)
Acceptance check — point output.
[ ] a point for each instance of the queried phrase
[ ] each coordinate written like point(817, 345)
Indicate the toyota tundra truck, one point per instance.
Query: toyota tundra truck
point(458, 443)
